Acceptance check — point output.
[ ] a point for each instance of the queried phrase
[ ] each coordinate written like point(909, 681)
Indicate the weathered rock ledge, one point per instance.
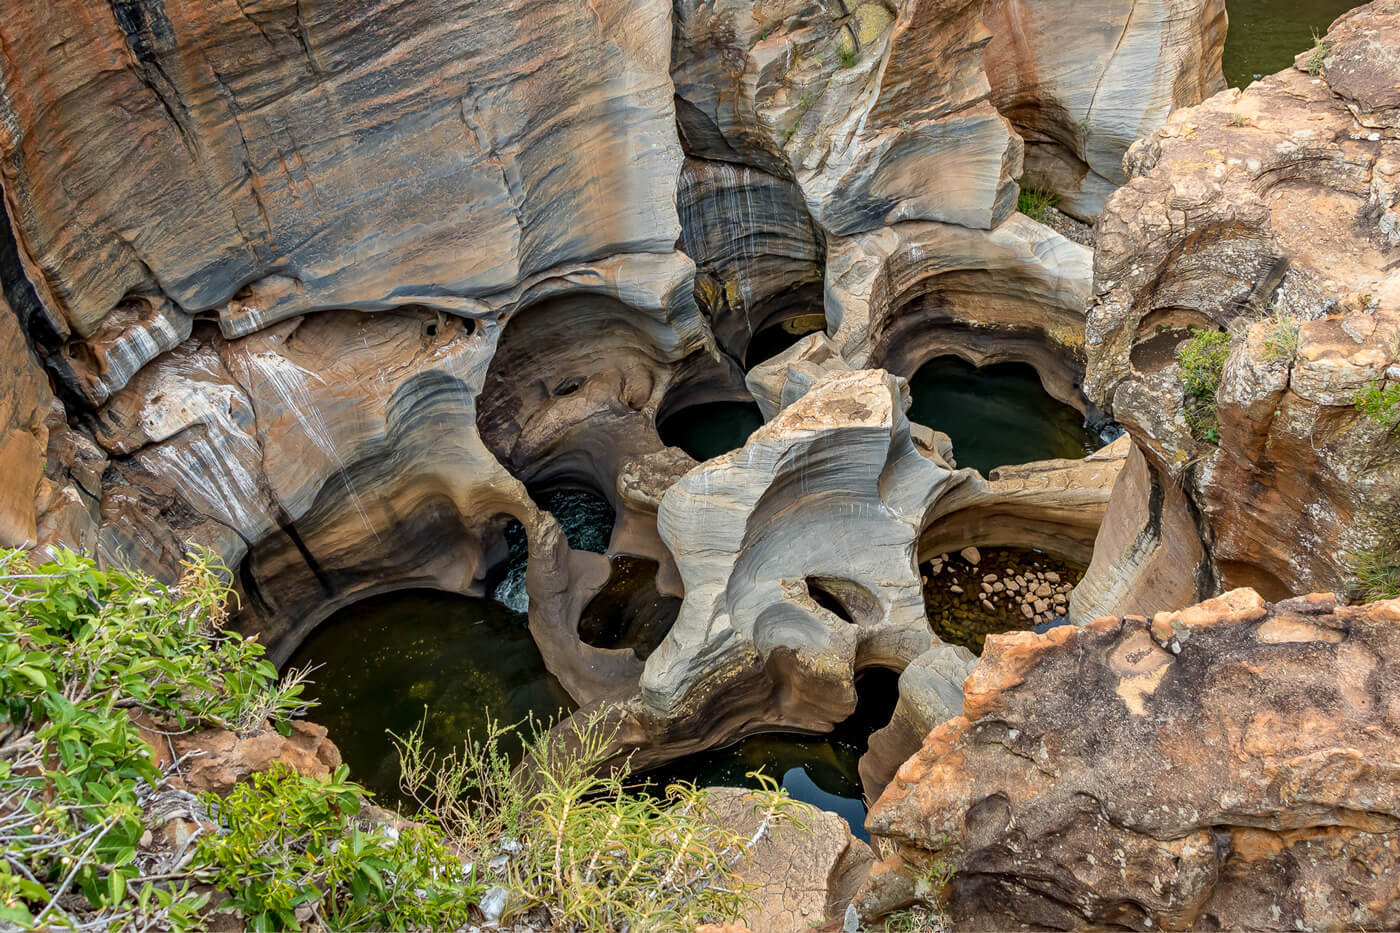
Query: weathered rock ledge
point(1231, 764)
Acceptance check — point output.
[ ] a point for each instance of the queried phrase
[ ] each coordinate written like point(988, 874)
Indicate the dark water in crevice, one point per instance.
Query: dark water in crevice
point(629, 612)
point(586, 516)
point(710, 429)
point(818, 769)
point(997, 415)
point(1266, 35)
point(389, 661)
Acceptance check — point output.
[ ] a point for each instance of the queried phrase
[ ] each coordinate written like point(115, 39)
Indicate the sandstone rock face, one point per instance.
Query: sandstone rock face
point(1278, 200)
point(880, 112)
point(1081, 82)
point(1232, 764)
point(759, 256)
point(275, 146)
point(901, 295)
point(805, 876)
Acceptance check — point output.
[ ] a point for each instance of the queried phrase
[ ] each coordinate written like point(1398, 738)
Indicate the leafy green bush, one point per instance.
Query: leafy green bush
point(1036, 203)
point(295, 842)
point(1381, 404)
point(1202, 360)
point(81, 649)
point(575, 840)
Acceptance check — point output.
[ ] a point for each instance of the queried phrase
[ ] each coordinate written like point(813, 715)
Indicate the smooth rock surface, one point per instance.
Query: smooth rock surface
point(1082, 81)
point(345, 155)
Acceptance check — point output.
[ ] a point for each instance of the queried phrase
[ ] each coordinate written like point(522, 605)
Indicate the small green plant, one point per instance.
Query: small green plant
point(848, 54)
point(1318, 56)
point(1202, 361)
point(1377, 574)
point(1036, 203)
point(1381, 404)
point(1281, 336)
point(292, 843)
point(81, 651)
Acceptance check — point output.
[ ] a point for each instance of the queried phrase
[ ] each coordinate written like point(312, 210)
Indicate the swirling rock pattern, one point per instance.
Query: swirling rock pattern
point(1081, 82)
point(296, 157)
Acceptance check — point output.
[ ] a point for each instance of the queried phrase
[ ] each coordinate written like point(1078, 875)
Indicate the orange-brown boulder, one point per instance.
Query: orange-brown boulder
point(1235, 764)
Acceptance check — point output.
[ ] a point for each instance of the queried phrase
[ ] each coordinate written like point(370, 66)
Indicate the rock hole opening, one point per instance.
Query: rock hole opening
point(629, 612)
point(823, 770)
point(845, 599)
point(585, 514)
point(709, 429)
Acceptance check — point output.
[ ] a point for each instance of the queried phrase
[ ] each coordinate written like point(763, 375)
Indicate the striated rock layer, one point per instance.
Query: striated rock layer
point(1232, 764)
point(292, 158)
point(1082, 81)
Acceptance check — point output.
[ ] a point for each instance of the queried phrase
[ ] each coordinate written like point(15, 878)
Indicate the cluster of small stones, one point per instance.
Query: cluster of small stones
point(971, 594)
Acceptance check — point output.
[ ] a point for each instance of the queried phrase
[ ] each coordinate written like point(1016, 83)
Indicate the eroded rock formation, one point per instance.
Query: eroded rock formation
point(360, 155)
point(1258, 212)
point(1232, 764)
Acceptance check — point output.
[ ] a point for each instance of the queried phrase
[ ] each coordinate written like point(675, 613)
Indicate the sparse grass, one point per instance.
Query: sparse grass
point(1202, 360)
point(1377, 574)
point(848, 55)
point(1036, 203)
point(1281, 336)
point(573, 839)
point(1318, 56)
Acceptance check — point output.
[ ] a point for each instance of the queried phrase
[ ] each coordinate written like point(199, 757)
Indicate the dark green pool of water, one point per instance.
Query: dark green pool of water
point(1266, 35)
point(997, 415)
point(390, 660)
point(818, 769)
point(774, 339)
point(708, 430)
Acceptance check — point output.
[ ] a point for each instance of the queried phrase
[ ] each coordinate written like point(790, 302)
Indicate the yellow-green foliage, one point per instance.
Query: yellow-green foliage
point(1377, 574)
point(573, 839)
point(1202, 360)
point(1036, 203)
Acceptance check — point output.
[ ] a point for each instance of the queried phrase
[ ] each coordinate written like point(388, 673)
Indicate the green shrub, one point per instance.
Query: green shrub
point(293, 842)
point(1377, 574)
point(848, 54)
point(80, 648)
point(1202, 360)
point(1318, 56)
point(1036, 203)
point(1381, 404)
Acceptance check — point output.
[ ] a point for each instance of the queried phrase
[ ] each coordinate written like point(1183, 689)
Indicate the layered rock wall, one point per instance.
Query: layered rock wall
point(1081, 82)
